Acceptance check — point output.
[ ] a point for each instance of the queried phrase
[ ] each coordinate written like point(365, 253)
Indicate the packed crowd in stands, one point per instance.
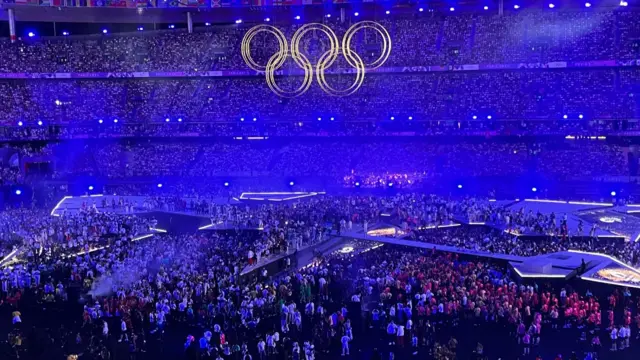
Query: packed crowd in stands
point(460, 39)
point(351, 164)
point(451, 97)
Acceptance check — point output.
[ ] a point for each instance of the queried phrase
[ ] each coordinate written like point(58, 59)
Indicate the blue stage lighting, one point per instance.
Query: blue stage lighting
point(159, 185)
point(387, 12)
point(356, 14)
point(580, 116)
point(486, 7)
point(291, 183)
point(329, 15)
point(140, 28)
point(172, 26)
point(297, 17)
point(207, 24)
point(255, 119)
point(31, 34)
point(357, 184)
point(65, 33)
point(410, 117)
point(241, 119)
point(332, 118)
point(587, 4)
point(226, 184)
point(459, 186)
point(534, 189)
point(267, 19)
point(39, 122)
point(100, 121)
point(551, 6)
point(565, 116)
point(613, 193)
point(393, 118)
point(475, 117)
point(90, 187)
point(239, 21)
point(18, 192)
point(489, 117)
point(421, 9)
point(115, 121)
point(624, 3)
point(390, 184)
point(105, 31)
point(319, 119)
point(167, 119)
point(20, 123)
point(516, 6)
point(179, 119)
point(452, 9)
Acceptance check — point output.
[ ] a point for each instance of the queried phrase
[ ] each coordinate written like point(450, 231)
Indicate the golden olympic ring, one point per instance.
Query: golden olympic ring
point(277, 60)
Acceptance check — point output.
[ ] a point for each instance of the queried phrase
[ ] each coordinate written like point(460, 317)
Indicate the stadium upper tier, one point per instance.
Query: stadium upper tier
point(430, 40)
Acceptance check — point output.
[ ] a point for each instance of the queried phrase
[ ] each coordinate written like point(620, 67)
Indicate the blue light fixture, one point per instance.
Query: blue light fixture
point(613, 193)
point(105, 31)
point(39, 122)
point(356, 14)
point(291, 183)
point(31, 34)
point(179, 119)
point(297, 17)
point(459, 186)
point(226, 184)
point(18, 192)
point(534, 189)
point(20, 123)
point(115, 121)
point(100, 121)
point(167, 119)
point(65, 33)
point(159, 185)
point(90, 187)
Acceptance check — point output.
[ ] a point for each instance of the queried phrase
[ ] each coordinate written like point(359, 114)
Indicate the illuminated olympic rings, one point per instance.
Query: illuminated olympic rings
point(277, 60)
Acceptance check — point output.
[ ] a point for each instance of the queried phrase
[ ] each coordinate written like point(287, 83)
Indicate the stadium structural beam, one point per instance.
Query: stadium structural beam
point(189, 23)
point(12, 25)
